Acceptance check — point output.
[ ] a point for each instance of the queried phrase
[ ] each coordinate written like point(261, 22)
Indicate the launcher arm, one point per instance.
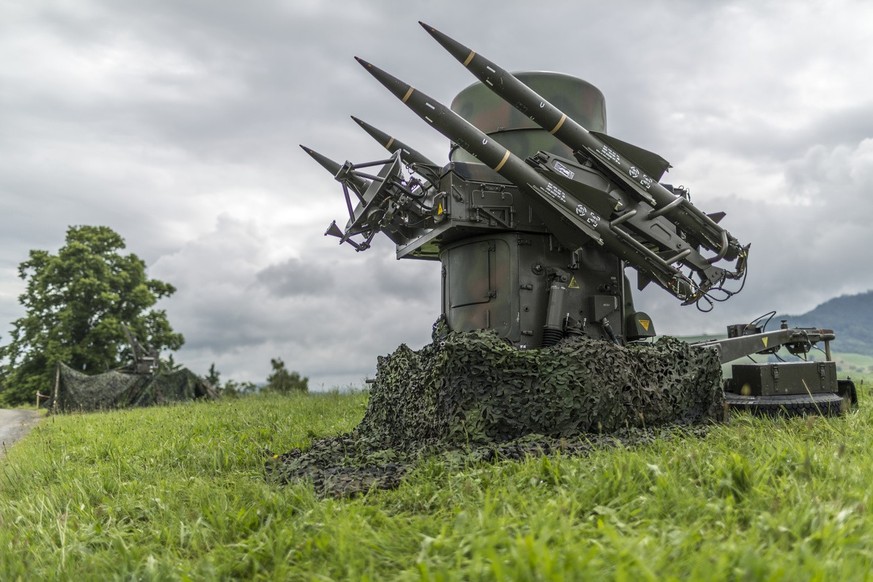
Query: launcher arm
point(797, 340)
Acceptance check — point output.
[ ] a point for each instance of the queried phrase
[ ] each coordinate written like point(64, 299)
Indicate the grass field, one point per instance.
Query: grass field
point(178, 493)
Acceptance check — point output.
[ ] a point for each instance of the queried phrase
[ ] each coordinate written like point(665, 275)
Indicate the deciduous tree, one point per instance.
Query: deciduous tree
point(76, 304)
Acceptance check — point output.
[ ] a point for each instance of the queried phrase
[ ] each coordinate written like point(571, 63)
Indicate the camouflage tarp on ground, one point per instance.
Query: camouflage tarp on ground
point(80, 392)
point(469, 390)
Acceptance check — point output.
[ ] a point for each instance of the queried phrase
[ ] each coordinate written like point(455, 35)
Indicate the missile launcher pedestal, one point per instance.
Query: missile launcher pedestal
point(503, 270)
point(538, 214)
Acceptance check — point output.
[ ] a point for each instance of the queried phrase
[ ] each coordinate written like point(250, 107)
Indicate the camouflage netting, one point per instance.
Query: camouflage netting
point(473, 391)
point(79, 392)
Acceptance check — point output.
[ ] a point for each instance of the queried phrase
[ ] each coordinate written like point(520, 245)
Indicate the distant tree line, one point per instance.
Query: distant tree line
point(280, 381)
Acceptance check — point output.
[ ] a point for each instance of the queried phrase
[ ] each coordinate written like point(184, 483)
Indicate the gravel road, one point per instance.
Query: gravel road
point(14, 424)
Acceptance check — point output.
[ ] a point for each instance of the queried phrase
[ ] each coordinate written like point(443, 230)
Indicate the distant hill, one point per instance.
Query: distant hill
point(850, 316)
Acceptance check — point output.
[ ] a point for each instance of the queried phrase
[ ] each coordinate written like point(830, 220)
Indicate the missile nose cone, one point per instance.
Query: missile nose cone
point(400, 89)
point(455, 48)
point(376, 134)
point(312, 153)
point(363, 124)
point(324, 161)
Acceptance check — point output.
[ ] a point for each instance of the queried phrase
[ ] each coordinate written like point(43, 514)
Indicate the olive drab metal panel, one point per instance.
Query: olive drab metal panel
point(772, 378)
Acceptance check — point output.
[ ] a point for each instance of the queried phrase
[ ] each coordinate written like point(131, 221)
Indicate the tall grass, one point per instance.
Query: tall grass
point(179, 493)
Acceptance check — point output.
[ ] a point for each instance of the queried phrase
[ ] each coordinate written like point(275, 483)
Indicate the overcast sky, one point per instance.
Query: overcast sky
point(177, 124)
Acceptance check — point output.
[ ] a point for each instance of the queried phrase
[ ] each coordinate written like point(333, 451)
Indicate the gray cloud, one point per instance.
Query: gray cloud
point(294, 278)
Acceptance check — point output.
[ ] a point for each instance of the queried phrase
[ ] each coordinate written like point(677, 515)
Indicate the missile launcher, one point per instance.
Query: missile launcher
point(538, 214)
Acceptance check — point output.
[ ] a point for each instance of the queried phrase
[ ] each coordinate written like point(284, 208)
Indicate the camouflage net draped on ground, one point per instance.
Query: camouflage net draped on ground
point(473, 391)
point(75, 391)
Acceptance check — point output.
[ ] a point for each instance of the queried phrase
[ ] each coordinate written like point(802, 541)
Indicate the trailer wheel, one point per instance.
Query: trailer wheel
point(827, 404)
point(847, 390)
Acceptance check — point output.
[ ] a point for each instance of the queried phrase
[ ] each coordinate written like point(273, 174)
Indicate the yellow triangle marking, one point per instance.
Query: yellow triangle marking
point(645, 323)
point(765, 339)
point(573, 284)
point(440, 209)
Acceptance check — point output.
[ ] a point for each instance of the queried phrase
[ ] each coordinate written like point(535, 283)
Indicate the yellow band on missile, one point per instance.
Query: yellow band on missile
point(388, 145)
point(469, 58)
point(408, 94)
point(560, 123)
point(503, 161)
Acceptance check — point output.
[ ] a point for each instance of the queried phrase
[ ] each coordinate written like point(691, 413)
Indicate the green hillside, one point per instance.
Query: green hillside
point(853, 365)
point(850, 316)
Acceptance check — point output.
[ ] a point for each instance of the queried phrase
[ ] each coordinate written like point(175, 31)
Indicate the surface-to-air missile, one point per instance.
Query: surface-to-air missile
point(539, 211)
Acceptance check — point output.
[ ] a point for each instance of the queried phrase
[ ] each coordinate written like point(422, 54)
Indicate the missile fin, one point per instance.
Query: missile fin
point(650, 163)
point(716, 216)
point(643, 280)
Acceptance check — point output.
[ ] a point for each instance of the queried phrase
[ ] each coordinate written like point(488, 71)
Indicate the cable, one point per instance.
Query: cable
point(769, 315)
